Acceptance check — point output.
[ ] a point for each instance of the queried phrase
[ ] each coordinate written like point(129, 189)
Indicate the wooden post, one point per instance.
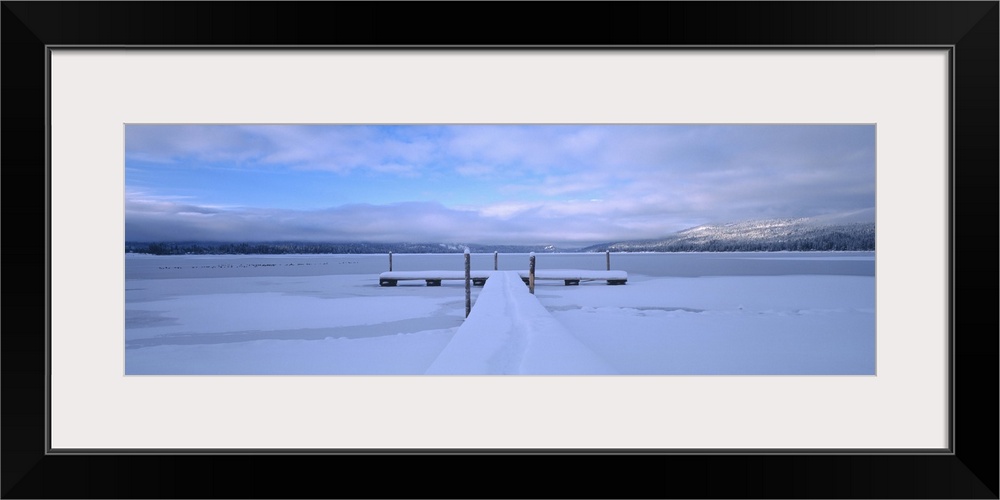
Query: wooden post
point(494, 260)
point(390, 261)
point(468, 288)
point(607, 257)
point(531, 273)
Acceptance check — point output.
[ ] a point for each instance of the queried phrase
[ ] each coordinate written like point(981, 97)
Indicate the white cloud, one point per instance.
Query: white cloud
point(526, 183)
point(506, 210)
point(475, 170)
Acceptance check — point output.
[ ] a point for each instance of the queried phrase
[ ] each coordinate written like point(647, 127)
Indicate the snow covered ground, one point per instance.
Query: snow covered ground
point(776, 314)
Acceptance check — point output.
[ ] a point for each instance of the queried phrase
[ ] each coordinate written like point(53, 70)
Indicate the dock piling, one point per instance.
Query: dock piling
point(531, 273)
point(468, 287)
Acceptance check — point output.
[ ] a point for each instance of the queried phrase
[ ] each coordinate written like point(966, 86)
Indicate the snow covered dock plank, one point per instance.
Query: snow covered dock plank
point(510, 332)
point(570, 276)
point(578, 275)
point(433, 278)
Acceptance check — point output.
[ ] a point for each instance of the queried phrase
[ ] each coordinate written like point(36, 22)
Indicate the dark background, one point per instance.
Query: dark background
point(28, 471)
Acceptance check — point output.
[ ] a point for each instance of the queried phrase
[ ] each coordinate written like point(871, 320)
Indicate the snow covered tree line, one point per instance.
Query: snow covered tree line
point(279, 248)
point(755, 236)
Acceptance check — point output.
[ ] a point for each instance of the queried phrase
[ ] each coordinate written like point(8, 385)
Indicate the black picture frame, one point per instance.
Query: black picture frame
point(969, 470)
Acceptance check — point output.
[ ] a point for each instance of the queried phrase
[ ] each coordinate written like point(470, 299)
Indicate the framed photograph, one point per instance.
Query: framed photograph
point(748, 249)
point(864, 381)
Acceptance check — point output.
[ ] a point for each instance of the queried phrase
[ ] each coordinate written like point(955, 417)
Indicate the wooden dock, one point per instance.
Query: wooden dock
point(511, 332)
point(567, 276)
point(575, 276)
point(433, 278)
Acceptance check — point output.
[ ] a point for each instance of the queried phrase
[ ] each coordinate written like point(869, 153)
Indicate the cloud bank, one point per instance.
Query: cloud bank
point(503, 184)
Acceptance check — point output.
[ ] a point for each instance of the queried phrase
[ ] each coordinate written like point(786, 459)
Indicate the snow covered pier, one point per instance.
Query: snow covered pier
point(568, 276)
point(433, 278)
point(510, 332)
point(575, 276)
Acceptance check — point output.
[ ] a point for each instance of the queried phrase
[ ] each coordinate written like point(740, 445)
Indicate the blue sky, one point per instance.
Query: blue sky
point(567, 185)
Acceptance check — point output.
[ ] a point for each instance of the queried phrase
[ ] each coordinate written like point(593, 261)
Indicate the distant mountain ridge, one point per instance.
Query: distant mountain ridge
point(854, 231)
point(826, 233)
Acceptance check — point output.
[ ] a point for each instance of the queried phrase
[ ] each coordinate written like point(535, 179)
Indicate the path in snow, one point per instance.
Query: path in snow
point(510, 332)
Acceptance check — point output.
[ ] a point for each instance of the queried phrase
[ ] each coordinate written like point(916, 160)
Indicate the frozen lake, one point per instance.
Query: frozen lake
point(776, 313)
point(650, 264)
